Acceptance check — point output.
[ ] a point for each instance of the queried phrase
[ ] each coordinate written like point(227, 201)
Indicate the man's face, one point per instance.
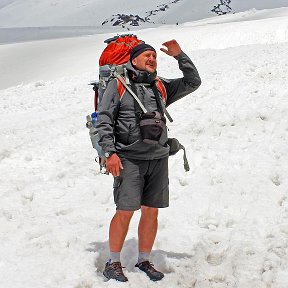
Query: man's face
point(146, 61)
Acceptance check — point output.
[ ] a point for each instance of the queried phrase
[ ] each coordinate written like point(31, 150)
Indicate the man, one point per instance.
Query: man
point(140, 169)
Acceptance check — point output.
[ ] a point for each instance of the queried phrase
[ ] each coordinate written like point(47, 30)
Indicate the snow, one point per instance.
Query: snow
point(227, 222)
point(22, 63)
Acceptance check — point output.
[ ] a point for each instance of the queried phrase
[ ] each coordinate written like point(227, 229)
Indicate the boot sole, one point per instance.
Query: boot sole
point(108, 278)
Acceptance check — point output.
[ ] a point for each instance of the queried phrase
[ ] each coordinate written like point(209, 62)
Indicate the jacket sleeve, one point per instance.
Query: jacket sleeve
point(107, 114)
point(178, 88)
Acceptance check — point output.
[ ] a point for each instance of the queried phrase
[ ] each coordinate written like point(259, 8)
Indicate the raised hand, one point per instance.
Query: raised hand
point(173, 48)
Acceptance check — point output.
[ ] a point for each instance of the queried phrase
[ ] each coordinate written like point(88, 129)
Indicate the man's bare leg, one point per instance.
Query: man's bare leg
point(118, 229)
point(147, 228)
point(147, 231)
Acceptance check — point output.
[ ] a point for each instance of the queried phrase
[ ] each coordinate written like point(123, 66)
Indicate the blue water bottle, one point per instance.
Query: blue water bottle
point(94, 118)
point(94, 136)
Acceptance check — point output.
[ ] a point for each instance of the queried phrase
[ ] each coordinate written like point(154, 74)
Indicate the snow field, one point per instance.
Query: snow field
point(227, 223)
point(21, 63)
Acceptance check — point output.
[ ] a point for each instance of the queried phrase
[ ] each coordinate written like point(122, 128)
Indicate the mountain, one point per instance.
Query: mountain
point(124, 13)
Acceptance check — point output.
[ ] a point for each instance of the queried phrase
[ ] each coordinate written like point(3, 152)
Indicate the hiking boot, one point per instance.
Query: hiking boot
point(114, 271)
point(150, 271)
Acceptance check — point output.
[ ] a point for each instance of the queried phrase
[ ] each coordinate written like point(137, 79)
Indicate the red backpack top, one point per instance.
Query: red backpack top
point(113, 59)
point(118, 50)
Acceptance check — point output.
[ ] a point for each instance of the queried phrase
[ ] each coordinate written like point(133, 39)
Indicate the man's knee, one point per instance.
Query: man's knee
point(149, 212)
point(124, 216)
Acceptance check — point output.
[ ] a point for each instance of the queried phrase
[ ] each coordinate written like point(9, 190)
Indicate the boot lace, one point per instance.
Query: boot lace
point(117, 267)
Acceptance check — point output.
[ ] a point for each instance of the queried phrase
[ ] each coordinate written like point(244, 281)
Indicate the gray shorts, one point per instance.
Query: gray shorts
point(142, 182)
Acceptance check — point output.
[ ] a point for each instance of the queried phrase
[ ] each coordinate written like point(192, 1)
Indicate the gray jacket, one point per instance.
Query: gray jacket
point(117, 124)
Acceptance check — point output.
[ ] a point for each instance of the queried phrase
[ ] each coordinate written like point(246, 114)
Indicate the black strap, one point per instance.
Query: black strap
point(156, 93)
point(138, 110)
point(186, 164)
point(160, 104)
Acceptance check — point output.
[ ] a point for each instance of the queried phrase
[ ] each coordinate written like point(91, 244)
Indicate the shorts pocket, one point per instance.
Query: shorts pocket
point(116, 188)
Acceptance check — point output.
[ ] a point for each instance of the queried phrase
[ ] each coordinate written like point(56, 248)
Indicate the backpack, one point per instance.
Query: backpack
point(112, 65)
point(113, 62)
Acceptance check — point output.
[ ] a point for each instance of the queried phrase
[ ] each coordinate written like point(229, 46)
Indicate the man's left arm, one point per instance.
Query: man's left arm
point(178, 88)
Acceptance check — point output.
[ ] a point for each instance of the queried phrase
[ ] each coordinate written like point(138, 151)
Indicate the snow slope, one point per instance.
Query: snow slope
point(33, 61)
point(227, 223)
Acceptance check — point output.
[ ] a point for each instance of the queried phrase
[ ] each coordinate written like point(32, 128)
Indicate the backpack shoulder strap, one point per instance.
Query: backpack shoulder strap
point(123, 83)
point(161, 88)
point(159, 84)
point(120, 87)
point(161, 106)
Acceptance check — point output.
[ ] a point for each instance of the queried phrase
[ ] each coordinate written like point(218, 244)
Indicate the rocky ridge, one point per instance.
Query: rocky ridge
point(125, 20)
